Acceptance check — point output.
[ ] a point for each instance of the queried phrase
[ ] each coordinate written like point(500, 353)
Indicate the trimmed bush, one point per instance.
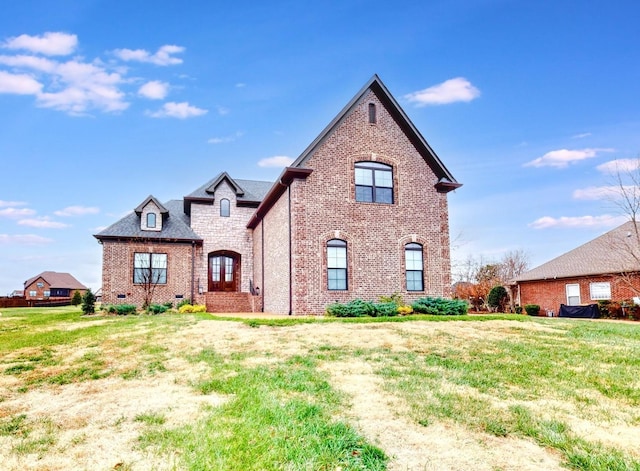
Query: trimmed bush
point(158, 308)
point(88, 302)
point(440, 307)
point(532, 309)
point(184, 302)
point(498, 298)
point(188, 308)
point(405, 310)
point(125, 309)
point(355, 308)
point(388, 309)
point(77, 298)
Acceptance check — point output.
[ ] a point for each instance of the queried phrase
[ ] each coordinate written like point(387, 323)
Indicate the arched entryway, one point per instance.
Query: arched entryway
point(224, 271)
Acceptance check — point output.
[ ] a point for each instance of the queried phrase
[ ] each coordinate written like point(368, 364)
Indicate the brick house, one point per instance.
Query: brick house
point(362, 212)
point(605, 268)
point(52, 286)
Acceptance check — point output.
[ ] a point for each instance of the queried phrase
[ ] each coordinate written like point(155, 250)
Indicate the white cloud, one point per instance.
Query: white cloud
point(4, 204)
point(563, 157)
point(599, 192)
point(163, 55)
point(19, 84)
point(77, 211)
point(449, 91)
point(605, 220)
point(177, 110)
point(154, 90)
point(581, 135)
point(16, 213)
point(226, 139)
point(39, 64)
point(23, 239)
point(619, 166)
point(222, 111)
point(49, 44)
point(42, 223)
point(276, 161)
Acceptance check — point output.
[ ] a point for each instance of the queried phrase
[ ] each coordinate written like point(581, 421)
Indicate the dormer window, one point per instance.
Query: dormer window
point(225, 208)
point(151, 220)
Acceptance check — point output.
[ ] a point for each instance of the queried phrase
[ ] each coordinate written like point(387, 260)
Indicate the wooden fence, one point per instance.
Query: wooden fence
point(22, 302)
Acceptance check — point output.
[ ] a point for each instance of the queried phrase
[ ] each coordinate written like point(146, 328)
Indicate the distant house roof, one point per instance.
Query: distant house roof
point(248, 192)
point(57, 280)
point(176, 227)
point(17, 293)
point(608, 254)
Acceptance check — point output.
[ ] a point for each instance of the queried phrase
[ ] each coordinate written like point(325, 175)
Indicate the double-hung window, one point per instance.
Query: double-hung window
point(150, 268)
point(374, 182)
point(414, 267)
point(336, 264)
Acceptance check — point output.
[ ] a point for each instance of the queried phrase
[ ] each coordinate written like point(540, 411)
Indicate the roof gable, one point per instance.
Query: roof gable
point(224, 176)
point(151, 199)
point(446, 181)
point(57, 280)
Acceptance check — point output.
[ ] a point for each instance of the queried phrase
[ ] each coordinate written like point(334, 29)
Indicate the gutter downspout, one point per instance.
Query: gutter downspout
point(262, 256)
point(290, 256)
point(193, 269)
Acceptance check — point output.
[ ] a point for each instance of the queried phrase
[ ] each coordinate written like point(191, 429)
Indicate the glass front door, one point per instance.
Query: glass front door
point(223, 272)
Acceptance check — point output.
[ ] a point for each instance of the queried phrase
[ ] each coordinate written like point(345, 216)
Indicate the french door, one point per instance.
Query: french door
point(224, 270)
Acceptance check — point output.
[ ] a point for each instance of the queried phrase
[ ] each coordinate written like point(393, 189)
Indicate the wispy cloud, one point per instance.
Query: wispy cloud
point(154, 90)
point(449, 91)
point(23, 239)
point(16, 213)
point(619, 166)
point(42, 223)
point(77, 211)
point(548, 222)
point(276, 161)
point(49, 44)
point(581, 135)
point(4, 204)
point(600, 192)
point(163, 56)
point(563, 157)
point(177, 110)
point(226, 139)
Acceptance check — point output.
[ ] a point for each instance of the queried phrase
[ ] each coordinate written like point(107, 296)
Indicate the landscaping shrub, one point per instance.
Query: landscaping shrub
point(88, 302)
point(498, 298)
point(188, 308)
point(125, 309)
point(158, 308)
point(355, 308)
point(532, 309)
point(440, 306)
point(184, 302)
point(77, 298)
point(109, 308)
point(387, 309)
point(405, 310)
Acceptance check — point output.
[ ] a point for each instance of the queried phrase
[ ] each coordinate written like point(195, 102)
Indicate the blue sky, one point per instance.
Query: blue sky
point(103, 103)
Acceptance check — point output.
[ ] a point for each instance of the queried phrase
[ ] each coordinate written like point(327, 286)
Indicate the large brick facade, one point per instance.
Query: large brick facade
point(281, 239)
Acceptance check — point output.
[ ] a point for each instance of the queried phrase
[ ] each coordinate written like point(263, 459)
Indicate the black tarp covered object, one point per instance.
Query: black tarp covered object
point(585, 312)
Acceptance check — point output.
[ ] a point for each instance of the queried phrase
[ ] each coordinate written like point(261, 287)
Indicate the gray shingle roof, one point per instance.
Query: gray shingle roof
point(251, 190)
point(174, 227)
point(612, 252)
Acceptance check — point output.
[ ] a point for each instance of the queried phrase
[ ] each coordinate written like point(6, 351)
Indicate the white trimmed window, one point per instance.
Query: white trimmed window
point(599, 291)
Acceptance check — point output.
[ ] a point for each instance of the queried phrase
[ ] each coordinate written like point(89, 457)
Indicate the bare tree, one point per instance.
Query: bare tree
point(150, 270)
point(513, 264)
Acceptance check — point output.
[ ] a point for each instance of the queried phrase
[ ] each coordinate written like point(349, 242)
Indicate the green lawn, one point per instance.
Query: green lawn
point(567, 386)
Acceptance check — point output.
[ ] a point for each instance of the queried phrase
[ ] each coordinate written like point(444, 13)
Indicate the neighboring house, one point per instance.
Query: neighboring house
point(17, 293)
point(605, 268)
point(362, 212)
point(52, 285)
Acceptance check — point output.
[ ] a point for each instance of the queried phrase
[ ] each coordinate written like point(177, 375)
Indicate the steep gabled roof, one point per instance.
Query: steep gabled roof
point(174, 228)
point(164, 211)
point(608, 254)
point(57, 280)
point(248, 192)
point(446, 181)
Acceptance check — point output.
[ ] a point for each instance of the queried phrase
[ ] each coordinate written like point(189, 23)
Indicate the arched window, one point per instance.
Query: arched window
point(374, 182)
point(372, 113)
point(414, 267)
point(151, 220)
point(336, 264)
point(225, 208)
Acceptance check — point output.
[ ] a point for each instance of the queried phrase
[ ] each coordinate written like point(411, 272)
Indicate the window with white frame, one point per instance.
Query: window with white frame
point(600, 290)
point(573, 294)
point(336, 264)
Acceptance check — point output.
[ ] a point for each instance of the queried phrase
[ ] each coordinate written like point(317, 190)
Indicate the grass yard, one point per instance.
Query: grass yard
point(177, 391)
